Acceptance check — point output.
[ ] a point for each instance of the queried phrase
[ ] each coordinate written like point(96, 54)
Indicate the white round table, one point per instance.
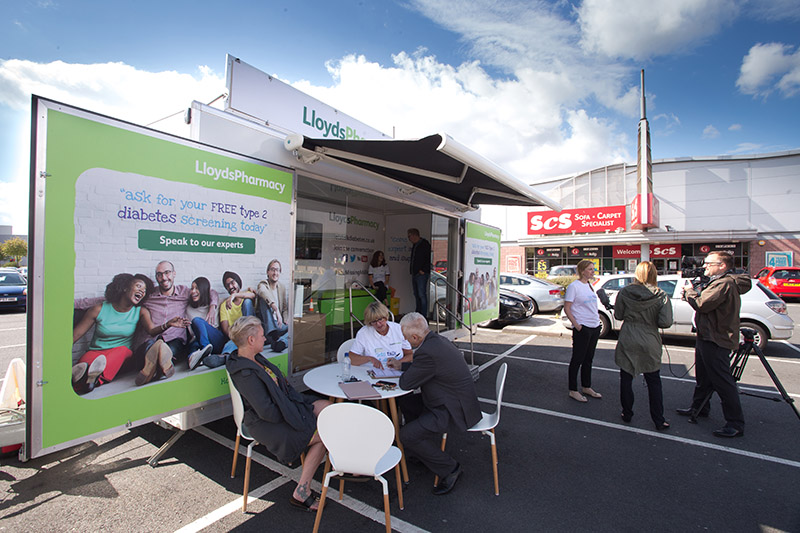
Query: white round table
point(325, 380)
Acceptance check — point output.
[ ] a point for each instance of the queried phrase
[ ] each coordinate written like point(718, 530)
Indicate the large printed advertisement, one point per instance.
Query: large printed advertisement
point(148, 248)
point(481, 277)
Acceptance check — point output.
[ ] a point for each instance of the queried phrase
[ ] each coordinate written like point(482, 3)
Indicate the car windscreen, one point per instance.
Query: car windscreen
point(786, 274)
point(11, 279)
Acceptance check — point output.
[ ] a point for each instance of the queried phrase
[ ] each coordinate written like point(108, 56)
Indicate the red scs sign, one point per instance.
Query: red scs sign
point(591, 220)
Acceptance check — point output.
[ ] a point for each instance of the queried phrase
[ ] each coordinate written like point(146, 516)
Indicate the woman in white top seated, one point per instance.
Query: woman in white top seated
point(379, 340)
point(379, 275)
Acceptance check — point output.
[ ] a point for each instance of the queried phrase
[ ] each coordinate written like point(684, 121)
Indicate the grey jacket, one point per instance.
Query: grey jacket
point(448, 391)
point(643, 309)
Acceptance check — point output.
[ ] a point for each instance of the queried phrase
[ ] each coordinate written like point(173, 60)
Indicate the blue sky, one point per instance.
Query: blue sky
point(541, 88)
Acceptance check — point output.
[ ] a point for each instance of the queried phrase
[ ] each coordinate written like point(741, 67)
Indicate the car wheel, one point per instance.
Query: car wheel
point(760, 338)
point(440, 310)
point(605, 326)
point(535, 307)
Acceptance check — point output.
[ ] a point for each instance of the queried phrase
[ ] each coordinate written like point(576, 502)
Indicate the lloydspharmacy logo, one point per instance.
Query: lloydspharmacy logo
point(328, 129)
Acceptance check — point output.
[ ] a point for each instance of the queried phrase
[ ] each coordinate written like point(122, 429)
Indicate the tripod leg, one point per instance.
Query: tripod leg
point(699, 409)
point(778, 385)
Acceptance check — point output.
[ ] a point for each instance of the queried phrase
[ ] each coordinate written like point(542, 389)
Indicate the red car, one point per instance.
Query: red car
point(783, 281)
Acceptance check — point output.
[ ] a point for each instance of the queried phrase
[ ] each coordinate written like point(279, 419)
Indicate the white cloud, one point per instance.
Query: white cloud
point(748, 148)
point(637, 30)
point(115, 89)
point(768, 67)
point(774, 10)
point(735, 127)
point(539, 38)
point(666, 123)
point(522, 125)
point(710, 132)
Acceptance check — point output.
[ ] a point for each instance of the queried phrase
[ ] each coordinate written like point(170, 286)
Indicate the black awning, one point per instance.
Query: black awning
point(436, 164)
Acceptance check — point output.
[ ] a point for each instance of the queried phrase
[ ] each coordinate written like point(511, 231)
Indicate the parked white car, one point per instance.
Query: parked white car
point(546, 296)
point(761, 309)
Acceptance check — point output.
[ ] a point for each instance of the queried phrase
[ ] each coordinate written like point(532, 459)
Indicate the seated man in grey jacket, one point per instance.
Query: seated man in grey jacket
point(448, 400)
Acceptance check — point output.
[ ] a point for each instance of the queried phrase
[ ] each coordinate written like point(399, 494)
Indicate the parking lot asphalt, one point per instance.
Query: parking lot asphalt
point(564, 466)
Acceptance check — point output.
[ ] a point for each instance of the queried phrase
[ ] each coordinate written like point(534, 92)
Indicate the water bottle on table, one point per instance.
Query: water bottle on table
point(346, 367)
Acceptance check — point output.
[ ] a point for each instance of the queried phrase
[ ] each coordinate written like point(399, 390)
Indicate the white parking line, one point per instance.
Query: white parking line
point(615, 370)
point(792, 346)
point(656, 434)
point(287, 474)
point(231, 507)
point(12, 346)
point(511, 350)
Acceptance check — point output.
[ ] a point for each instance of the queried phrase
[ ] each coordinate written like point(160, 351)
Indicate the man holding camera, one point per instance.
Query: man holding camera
point(717, 320)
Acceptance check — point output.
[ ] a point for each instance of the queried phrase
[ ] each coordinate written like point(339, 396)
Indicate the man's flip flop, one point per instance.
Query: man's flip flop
point(306, 505)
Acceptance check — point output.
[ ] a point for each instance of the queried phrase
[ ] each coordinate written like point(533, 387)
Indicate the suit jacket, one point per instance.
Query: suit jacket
point(448, 391)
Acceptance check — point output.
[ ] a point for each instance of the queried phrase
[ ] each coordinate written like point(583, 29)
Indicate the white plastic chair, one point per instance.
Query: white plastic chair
point(359, 441)
point(343, 349)
point(241, 431)
point(488, 422)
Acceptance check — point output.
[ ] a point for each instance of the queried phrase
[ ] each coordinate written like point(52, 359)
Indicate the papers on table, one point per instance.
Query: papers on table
point(384, 373)
point(360, 390)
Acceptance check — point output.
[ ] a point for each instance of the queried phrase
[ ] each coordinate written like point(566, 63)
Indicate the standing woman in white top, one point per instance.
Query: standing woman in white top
point(379, 275)
point(580, 306)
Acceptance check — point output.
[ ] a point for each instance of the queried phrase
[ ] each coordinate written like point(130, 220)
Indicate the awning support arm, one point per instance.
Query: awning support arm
point(341, 154)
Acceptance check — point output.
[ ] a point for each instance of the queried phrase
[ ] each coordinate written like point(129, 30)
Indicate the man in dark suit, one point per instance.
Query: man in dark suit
point(420, 268)
point(448, 400)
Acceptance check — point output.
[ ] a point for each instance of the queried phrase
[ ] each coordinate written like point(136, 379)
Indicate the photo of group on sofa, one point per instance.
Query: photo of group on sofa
point(141, 332)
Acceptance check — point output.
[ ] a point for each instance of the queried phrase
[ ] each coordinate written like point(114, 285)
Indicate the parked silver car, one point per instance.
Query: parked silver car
point(560, 271)
point(761, 309)
point(546, 296)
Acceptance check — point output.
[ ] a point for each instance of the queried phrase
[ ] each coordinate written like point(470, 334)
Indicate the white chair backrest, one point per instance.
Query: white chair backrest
point(357, 436)
point(238, 404)
point(500, 385)
point(343, 349)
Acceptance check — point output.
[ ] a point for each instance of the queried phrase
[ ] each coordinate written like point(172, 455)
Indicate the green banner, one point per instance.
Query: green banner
point(194, 242)
point(481, 278)
point(120, 199)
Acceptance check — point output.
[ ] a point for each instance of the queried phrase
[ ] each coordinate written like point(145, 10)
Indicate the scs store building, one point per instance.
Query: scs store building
point(748, 205)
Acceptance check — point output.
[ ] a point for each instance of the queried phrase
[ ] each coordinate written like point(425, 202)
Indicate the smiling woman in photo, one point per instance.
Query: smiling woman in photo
point(115, 321)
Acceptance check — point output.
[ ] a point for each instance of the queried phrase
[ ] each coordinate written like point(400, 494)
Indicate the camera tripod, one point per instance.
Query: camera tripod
point(738, 361)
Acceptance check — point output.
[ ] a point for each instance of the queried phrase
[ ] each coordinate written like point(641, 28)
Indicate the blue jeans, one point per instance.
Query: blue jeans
point(205, 334)
point(419, 284)
point(248, 309)
point(271, 325)
point(213, 360)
